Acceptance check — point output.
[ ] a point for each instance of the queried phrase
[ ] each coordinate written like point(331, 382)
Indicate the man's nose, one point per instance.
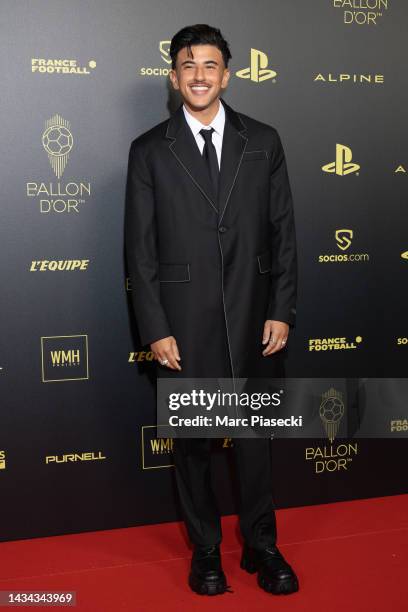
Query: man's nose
point(199, 73)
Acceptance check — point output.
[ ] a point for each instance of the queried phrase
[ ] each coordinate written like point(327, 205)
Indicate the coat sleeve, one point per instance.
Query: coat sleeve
point(141, 248)
point(282, 302)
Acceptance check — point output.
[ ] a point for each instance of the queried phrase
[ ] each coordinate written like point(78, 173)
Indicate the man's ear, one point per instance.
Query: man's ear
point(225, 78)
point(173, 78)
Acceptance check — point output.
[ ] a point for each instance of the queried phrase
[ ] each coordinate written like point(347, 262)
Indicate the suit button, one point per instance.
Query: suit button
point(222, 229)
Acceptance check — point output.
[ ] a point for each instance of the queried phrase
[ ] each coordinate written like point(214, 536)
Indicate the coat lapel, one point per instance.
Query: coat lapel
point(184, 147)
point(234, 142)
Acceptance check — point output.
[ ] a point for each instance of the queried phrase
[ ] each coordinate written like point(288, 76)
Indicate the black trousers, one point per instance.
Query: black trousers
point(253, 462)
point(192, 459)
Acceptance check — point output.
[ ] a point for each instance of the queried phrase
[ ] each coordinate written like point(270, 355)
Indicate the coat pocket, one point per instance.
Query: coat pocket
point(174, 273)
point(252, 155)
point(264, 262)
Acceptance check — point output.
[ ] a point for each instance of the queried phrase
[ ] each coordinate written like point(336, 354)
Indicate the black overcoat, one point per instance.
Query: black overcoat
point(211, 272)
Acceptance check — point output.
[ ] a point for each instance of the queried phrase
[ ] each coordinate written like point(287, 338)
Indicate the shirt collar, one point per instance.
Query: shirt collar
point(217, 123)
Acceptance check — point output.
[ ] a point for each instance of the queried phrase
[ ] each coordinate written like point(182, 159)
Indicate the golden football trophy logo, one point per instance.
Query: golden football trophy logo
point(164, 47)
point(404, 255)
point(331, 412)
point(257, 70)
point(57, 141)
point(343, 238)
point(343, 164)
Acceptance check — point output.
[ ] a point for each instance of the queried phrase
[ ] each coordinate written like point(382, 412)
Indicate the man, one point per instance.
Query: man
point(211, 250)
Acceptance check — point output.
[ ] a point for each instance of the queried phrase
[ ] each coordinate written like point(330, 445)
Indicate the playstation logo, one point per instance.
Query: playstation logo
point(343, 164)
point(258, 70)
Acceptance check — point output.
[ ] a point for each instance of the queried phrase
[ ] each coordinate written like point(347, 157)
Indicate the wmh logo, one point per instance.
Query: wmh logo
point(157, 452)
point(64, 358)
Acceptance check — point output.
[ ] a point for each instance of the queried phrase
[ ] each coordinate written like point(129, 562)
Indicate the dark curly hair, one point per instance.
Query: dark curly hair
point(198, 34)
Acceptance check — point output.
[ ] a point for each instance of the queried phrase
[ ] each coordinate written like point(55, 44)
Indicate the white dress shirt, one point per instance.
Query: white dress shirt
point(217, 123)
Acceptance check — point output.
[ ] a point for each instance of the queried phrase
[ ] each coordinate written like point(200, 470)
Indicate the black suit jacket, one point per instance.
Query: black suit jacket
point(210, 273)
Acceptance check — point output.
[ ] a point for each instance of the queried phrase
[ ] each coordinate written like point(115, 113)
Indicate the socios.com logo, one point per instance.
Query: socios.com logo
point(342, 164)
point(257, 71)
point(164, 48)
point(344, 238)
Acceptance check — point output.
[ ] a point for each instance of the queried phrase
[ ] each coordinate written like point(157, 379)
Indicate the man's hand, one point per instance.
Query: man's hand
point(166, 348)
point(276, 335)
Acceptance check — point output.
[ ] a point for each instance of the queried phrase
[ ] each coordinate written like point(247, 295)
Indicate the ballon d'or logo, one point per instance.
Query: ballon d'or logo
point(57, 141)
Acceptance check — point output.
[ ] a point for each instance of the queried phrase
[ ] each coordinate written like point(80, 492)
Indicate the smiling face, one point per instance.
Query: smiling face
point(200, 78)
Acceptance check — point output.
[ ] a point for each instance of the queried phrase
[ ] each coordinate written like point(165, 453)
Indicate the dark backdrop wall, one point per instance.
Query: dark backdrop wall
point(79, 81)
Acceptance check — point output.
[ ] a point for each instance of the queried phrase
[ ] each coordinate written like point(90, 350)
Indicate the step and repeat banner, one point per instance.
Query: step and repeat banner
point(80, 80)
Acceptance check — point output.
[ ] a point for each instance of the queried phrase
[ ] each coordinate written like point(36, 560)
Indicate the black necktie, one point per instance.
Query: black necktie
point(210, 157)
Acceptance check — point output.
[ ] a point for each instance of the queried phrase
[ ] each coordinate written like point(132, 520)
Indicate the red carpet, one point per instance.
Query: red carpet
point(348, 556)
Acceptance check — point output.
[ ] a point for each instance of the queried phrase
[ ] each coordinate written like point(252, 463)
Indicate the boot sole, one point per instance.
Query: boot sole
point(278, 587)
point(207, 588)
